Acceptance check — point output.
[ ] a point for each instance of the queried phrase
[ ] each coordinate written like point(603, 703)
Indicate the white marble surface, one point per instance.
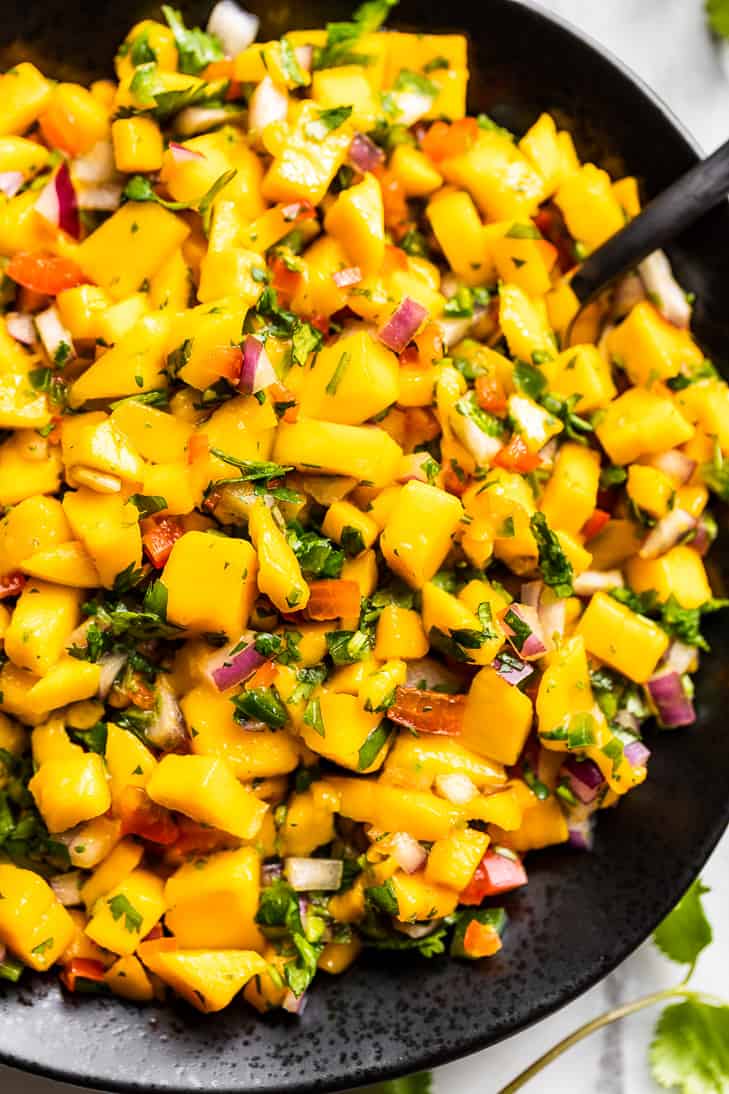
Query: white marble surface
point(666, 42)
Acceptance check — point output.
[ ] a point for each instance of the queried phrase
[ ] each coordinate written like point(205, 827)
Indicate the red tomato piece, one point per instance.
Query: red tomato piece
point(44, 273)
point(494, 874)
point(333, 598)
point(428, 711)
point(12, 584)
point(159, 535)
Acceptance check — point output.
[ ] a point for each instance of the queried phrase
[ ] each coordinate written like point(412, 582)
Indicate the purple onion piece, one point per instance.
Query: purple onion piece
point(637, 754)
point(402, 324)
point(364, 154)
point(271, 872)
point(67, 203)
point(234, 665)
point(673, 707)
point(344, 278)
point(585, 778)
point(512, 669)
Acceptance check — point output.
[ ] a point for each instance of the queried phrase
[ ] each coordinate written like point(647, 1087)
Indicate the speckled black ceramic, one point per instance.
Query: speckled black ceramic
point(581, 914)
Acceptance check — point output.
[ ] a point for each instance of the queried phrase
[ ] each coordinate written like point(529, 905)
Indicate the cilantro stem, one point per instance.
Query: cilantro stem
point(679, 992)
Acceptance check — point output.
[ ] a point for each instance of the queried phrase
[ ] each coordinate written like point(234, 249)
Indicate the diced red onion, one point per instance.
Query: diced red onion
point(637, 754)
point(457, 789)
point(681, 658)
point(257, 371)
point(295, 1004)
point(10, 182)
point(270, 872)
point(95, 166)
point(104, 198)
point(21, 327)
point(672, 705)
point(268, 103)
point(704, 536)
point(429, 673)
point(530, 593)
point(57, 203)
point(675, 464)
point(344, 278)
point(413, 467)
point(581, 835)
point(666, 533)
point(402, 324)
point(595, 581)
point(201, 119)
point(167, 732)
point(67, 888)
point(629, 291)
point(410, 106)
point(482, 447)
point(235, 28)
point(305, 57)
point(534, 645)
point(585, 778)
point(417, 930)
point(407, 852)
point(628, 721)
point(513, 670)
point(180, 154)
point(111, 665)
point(553, 617)
point(364, 154)
point(226, 668)
point(657, 276)
point(52, 332)
point(313, 874)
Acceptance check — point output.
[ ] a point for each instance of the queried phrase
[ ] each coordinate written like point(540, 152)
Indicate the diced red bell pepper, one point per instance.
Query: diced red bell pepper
point(263, 677)
point(11, 584)
point(515, 456)
point(428, 711)
point(284, 402)
point(490, 394)
point(481, 940)
point(333, 598)
point(285, 281)
point(494, 874)
point(227, 362)
point(81, 968)
point(44, 273)
point(443, 141)
point(142, 817)
point(159, 535)
point(595, 524)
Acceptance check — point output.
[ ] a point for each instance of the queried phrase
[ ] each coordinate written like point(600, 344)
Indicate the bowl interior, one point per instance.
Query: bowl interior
point(581, 914)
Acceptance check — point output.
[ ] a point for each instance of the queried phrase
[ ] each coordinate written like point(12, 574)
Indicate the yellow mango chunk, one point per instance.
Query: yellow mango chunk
point(70, 790)
point(128, 761)
point(205, 788)
point(650, 489)
point(250, 754)
point(92, 440)
point(356, 219)
point(351, 737)
point(500, 179)
point(446, 616)
point(156, 435)
point(589, 206)
point(570, 495)
point(134, 365)
point(118, 865)
point(127, 978)
point(417, 761)
point(400, 633)
point(418, 534)
point(65, 564)
point(524, 324)
point(582, 371)
point(207, 979)
point(641, 423)
point(125, 914)
point(211, 583)
point(212, 902)
point(542, 825)
point(36, 524)
point(303, 165)
point(351, 380)
point(497, 718)
point(626, 641)
point(68, 681)
point(453, 860)
point(419, 898)
point(108, 527)
point(43, 619)
point(680, 572)
point(650, 348)
point(24, 95)
point(395, 809)
point(140, 236)
point(33, 925)
point(279, 573)
point(367, 454)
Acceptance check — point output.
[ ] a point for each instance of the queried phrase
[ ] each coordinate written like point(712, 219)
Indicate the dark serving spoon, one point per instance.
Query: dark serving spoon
point(664, 218)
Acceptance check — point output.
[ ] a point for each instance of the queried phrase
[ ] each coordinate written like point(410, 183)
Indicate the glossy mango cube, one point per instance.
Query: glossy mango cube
point(122, 916)
point(207, 979)
point(497, 718)
point(211, 583)
point(42, 621)
point(641, 423)
point(650, 348)
point(33, 925)
point(367, 454)
point(205, 788)
point(70, 790)
point(352, 379)
point(679, 572)
point(108, 527)
point(626, 641)
point(419, 532)
point(141, 236)
point(212, 902)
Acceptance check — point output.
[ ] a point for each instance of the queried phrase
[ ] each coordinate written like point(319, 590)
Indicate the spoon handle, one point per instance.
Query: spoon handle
point(699, 190)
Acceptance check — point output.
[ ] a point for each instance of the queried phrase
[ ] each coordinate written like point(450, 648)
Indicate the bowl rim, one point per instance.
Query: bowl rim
point(468, 1045)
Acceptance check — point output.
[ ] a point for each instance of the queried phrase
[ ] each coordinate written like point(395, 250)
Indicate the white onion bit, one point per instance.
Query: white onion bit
point(457, 789)
point(670, 299)
point(236, 28)
point(313, 874)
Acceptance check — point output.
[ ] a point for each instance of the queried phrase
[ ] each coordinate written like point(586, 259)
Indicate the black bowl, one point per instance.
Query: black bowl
point(581, 914)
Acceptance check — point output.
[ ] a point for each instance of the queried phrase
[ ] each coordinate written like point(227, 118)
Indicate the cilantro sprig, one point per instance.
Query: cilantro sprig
point(690, 1046)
